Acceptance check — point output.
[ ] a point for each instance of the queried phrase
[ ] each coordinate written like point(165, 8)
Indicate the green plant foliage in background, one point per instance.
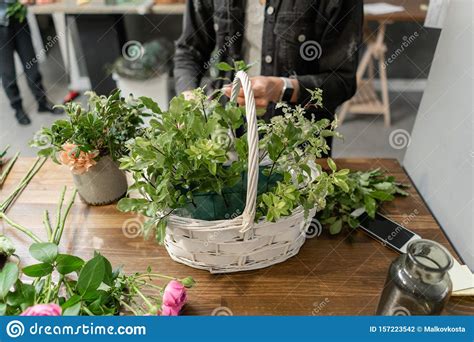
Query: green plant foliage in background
point(17, 11)
point(105, 126)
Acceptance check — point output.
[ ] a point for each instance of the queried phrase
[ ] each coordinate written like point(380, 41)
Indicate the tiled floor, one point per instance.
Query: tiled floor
point(364, 135)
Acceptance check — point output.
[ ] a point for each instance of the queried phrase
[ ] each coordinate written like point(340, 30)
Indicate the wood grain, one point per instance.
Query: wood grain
point(332, 275)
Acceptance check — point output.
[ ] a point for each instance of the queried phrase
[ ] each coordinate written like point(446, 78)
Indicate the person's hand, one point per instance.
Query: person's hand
point(266, 89)
point(26, 2)
point(188, 95)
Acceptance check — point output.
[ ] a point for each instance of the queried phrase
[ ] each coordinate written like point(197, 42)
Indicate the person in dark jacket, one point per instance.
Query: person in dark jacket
point(15, 36)
point(295, 44)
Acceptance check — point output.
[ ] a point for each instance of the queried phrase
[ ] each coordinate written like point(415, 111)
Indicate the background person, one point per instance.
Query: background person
point(295, 44)
point(15, 36)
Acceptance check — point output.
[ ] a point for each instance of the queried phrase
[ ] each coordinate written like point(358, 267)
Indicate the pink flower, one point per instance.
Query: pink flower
point(42, 310)
point(174, 298)
point(78, 162)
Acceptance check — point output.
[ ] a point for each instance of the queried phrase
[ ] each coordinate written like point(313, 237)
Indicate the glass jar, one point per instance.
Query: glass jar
point(418, 282)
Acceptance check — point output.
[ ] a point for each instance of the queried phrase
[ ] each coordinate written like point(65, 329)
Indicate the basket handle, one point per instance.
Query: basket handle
point(241, 78)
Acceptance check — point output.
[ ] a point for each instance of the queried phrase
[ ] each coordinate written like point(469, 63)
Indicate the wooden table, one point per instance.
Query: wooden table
point(332, 275)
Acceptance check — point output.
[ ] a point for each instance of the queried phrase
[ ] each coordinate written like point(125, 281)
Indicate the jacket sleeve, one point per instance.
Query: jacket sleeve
point(194, 47)
point(339, 58)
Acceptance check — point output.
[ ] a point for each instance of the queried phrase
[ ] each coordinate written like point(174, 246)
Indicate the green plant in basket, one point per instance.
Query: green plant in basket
point(192, 162)
point(100, 129)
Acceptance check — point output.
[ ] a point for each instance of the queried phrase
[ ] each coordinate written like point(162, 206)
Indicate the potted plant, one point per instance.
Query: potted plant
point(260, 194)
point(91, 140)
point(143, 69)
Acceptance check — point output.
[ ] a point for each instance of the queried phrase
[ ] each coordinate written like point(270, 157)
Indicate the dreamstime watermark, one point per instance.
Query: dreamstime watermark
point(15, 329)
point(133, 50)
point(319, 306)
point(229, 41)
point(222, 311)
point(42, 139)
point(311, 50)
point(50, 42)
point(212, 237)
point(221, 136)
point(132, 227)
point(399, 311)
point(313, 229)
point(399, 139)
point(407, 41)
point(406, 220)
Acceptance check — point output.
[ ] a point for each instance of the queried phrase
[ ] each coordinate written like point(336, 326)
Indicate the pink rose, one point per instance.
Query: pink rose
point(174, 298)
point(42, 310)
point(78, 162)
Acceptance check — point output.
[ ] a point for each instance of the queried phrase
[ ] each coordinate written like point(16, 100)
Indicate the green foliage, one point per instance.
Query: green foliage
point(362, 192)
point(194, 149)
point(17, 11)
point(80, 287)
point(6, 246)
point(104, 126)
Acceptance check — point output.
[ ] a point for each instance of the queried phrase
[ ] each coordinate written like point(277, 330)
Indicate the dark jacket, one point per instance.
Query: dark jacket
point(295, 33)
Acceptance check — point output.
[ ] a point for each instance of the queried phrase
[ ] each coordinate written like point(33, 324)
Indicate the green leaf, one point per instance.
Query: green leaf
point(223, 66)
point(382, 195)
point(332, 165)
point(8, 277)
point(44, 251)
point(370, 206)
point(71, 302)
point(336, 227)
point(341, 183)
point(150, 104)
point(91, 275)
point(131, 204)
point(38, 270)
point(161, 231)
point(3, 309)
point(24, 295)
point(72, 310)
point(66, 263)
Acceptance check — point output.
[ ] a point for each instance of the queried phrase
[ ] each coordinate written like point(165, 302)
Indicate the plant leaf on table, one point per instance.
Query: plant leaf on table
point(363, 192)
point(83, 287)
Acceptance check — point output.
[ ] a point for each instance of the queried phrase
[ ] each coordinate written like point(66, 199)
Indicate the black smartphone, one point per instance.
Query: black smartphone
point(387, 231)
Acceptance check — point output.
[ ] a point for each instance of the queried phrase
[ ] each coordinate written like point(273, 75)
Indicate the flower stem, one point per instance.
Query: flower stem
point(20, 228)
point(47, 224)
point(8, 168)
point(23, 183)
point(145, 299)
point(63, 221)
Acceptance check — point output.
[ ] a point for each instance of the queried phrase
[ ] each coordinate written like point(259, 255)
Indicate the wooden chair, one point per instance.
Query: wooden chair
point(366, 101)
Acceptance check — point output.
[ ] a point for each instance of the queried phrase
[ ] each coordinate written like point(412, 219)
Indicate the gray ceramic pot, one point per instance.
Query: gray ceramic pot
point(103, 183)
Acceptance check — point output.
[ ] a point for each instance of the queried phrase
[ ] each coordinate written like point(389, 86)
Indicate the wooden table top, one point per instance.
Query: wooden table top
point(332, 275)
point(414, 11)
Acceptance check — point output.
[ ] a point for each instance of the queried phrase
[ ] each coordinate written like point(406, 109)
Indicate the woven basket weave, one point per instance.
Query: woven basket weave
point(238, 244)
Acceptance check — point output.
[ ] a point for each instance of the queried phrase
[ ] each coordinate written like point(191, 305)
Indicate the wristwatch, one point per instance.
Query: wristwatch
point(287, 91)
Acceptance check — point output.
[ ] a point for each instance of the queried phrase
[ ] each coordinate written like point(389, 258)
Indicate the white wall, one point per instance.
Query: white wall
point(440, 158)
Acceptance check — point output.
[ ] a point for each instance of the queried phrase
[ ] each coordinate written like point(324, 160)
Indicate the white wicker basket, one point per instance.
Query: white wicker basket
point(238, 244)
